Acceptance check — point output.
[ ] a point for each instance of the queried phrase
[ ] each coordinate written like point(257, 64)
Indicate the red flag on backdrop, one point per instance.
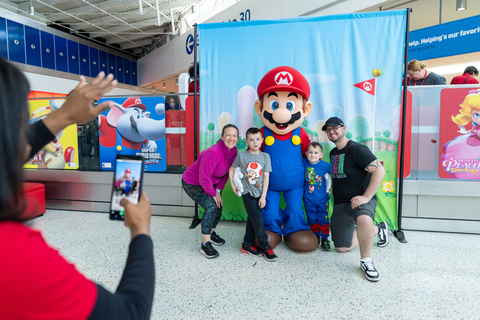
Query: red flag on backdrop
point(367, 86)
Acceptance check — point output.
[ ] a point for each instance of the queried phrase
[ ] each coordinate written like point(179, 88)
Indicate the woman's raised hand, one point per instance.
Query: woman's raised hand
point(79, 105)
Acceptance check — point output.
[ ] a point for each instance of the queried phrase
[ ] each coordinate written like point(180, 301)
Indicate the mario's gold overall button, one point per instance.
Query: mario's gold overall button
point(269, 140)
point(296, 140)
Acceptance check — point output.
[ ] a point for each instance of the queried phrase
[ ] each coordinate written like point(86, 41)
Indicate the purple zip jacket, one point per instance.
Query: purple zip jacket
point(210, 170)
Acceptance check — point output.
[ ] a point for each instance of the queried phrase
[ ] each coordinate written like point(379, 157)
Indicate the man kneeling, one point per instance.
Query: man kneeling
point(356, 175)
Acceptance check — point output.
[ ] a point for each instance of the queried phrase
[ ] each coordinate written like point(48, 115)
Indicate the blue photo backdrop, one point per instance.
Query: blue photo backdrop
point(333, 53)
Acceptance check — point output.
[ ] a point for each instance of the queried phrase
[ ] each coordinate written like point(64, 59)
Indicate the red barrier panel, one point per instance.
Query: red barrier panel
point(189, 122)
point(175, 137)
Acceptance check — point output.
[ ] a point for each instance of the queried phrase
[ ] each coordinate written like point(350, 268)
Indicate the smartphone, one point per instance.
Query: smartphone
point(127, 183)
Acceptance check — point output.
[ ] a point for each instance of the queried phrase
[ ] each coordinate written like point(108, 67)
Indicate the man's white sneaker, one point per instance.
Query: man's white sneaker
point(369, 270)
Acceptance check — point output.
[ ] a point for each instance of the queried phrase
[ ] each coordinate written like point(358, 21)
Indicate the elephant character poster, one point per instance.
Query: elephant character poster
point(60, 153)
point(134, 126)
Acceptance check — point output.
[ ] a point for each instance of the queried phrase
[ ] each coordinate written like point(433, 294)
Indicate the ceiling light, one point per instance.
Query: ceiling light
point(461, 5)
point(176, 82)
point(194, 9)
point(153, 89)
point(164, 85)
point(31, 9)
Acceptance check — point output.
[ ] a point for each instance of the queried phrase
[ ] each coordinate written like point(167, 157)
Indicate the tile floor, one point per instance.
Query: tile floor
point(434, 276)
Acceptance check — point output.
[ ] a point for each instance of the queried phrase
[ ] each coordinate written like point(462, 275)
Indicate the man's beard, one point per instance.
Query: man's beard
point(339, 136)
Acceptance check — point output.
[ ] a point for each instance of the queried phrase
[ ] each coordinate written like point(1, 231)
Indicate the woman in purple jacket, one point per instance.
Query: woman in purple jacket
point(204, 180)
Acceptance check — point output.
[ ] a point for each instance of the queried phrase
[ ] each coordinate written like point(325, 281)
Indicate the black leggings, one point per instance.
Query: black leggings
point(212, 213)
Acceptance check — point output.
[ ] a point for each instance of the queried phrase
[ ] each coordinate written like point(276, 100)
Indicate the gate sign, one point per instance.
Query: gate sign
point(189, 44)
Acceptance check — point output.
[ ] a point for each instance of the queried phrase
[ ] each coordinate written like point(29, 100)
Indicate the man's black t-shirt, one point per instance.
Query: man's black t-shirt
point(347, 168)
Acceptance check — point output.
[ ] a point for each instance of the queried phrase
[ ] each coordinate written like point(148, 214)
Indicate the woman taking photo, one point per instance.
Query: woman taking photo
point(36, 282)
point(205, 179)
point(419, 76)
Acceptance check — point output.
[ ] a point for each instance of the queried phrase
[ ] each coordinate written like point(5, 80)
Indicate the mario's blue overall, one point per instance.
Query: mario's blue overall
point(287, 178)
point(128, 186)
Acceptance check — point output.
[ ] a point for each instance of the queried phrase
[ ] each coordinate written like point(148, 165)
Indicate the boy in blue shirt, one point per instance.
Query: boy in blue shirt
point(316, 193)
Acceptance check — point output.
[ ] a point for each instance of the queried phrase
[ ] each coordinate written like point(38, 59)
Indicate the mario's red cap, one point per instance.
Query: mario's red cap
point(128, 170)
point(134, 102)
point(284, 79)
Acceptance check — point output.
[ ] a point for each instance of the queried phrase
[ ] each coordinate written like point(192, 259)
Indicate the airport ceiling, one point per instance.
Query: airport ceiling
point(132, 26)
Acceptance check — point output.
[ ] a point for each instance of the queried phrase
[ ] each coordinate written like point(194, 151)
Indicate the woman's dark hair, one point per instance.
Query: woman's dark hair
point(229, 126)
point(175, 97)
point(191, 71)
point(471, 70)
point(14, 89)
point(226, 127)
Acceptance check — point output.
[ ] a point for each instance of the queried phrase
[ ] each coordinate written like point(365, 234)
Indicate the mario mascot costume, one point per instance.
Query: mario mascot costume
point(283, 104)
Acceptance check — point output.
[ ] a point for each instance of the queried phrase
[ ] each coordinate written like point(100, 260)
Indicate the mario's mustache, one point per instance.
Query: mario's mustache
point(269, 117)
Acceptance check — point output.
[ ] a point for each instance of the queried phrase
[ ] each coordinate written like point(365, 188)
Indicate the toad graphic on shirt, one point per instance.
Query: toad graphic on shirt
point(254, 171)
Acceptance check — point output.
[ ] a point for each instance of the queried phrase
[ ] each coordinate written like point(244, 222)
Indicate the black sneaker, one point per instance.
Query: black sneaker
point(251, 250)
point(325, 245)
point(369, 270)
point(269, 255)
point(208, 250)
point(382, 234)
point(216, 240)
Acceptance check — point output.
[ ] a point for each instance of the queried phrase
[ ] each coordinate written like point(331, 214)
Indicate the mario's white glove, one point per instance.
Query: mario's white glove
point(150, 145)
point(237, 180)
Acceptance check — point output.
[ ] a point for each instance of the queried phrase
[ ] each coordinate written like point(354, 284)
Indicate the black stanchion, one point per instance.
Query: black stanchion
point(399, 233)
point(196, 221)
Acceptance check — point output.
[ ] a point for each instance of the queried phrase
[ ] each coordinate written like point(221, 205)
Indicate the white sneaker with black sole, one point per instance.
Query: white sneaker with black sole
point(208, 250)
point(368, 268)
point(382, 234)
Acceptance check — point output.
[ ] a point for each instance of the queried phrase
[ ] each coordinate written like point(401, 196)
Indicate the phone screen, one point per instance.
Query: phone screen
point(126, 184)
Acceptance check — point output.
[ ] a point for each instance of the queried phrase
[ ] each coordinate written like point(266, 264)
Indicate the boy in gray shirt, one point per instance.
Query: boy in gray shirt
point(249, 175)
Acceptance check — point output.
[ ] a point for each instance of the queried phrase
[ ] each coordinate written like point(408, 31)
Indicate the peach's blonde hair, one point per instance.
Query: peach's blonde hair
point(472, 101)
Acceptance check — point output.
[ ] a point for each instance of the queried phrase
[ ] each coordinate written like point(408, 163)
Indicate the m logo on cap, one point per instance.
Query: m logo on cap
point(138, 101)
point(283, 77)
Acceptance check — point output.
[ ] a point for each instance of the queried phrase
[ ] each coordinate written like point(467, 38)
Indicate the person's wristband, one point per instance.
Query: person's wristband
point(218, 190)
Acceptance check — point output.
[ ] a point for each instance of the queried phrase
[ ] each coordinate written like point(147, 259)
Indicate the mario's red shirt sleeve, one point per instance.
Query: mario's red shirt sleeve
point(37, 282)
point(305, 141)
point(263, 135)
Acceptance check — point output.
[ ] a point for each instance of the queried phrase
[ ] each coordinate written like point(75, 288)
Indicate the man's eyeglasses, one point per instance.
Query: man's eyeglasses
point(332, 129)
